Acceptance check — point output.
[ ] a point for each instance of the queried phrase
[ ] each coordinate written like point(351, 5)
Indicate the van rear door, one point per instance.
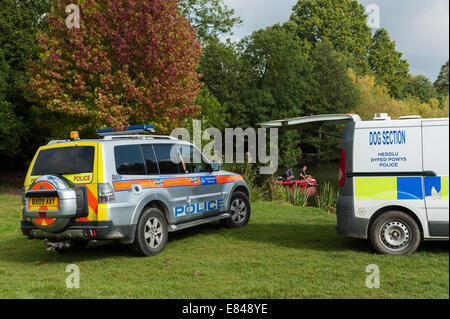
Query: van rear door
point(325, 119)
point(346, 189)
point(435, 139)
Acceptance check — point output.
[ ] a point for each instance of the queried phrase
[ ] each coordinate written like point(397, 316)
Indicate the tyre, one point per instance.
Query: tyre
point(395, 233)
point(239, 211)
point(151, 233)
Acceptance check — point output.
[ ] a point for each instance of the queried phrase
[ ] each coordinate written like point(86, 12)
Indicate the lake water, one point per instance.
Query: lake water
point(322, 172)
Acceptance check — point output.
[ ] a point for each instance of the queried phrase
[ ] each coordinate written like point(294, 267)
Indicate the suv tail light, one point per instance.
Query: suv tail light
point(105, 193)
point(342, 168)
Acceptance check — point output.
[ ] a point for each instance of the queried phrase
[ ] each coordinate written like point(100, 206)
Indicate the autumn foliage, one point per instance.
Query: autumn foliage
point(130, 62)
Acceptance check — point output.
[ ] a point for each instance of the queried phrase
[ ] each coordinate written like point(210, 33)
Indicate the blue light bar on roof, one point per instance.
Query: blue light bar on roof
point(126, 130)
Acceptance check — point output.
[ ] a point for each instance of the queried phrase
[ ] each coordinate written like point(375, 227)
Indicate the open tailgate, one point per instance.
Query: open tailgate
point(325, 119)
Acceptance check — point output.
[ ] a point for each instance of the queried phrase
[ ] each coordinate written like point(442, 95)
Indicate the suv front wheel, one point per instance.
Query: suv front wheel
point(151, 233)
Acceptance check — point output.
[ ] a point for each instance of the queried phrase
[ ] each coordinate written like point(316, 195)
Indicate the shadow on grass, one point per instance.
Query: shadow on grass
point(33, 251)
point(296, 236)
point(299, 236)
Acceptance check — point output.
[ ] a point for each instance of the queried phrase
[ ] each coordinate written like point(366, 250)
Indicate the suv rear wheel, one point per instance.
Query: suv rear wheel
point(395, 233)
point(239, 211)
point(151, 233)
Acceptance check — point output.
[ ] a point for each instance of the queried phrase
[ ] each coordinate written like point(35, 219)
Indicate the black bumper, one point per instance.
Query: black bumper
point(77, 230)
point(347, 223)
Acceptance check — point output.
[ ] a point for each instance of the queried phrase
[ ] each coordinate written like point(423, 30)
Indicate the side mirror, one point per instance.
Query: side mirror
point(215, 167)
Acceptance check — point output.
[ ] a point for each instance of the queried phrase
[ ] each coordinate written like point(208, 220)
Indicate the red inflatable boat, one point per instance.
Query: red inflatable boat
point(309, 185)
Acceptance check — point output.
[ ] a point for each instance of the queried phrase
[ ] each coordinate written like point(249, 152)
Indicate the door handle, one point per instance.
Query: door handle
point(194, 180)
point(160, 182)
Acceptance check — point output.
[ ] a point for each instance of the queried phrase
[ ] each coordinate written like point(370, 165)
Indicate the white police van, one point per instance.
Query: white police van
point(129, 187)
point(393, 179)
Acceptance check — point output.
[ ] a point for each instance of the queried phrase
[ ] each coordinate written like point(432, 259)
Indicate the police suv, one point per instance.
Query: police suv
point(128, 187)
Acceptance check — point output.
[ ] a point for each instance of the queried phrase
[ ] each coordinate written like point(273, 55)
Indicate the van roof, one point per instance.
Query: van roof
point(398, 123)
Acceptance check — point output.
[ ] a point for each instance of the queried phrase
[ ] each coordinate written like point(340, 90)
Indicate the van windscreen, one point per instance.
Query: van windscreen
point(64, 160)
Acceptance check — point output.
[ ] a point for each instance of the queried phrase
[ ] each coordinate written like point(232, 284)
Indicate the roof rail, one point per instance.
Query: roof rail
point(144, 137)
point(410, 117)
point(57, 142)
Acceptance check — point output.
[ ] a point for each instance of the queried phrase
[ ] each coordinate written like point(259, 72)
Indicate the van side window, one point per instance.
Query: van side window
point(150, 159)
point(165, 163)
point(129, 160)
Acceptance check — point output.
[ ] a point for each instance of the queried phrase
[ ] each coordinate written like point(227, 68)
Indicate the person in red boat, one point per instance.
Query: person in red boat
point(303, 174)
point(289, 175)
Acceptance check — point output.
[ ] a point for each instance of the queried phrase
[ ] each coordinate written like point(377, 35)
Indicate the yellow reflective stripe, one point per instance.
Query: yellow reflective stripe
point(101, 176)
point(102, 212)
point(444, 187)
point(376, 188)
point(28, 177)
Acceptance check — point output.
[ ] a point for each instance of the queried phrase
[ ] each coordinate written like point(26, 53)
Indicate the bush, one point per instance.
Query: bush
point(272, 191)
point(297, 196)
point(327, 198)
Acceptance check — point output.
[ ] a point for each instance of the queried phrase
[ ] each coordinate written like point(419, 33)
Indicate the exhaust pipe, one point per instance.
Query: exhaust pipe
point(58, 246)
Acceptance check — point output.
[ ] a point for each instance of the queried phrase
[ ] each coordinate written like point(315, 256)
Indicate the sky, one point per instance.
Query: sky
point(420, 28)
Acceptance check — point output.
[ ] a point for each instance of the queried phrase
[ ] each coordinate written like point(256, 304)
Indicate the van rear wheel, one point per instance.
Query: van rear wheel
point(151, 233)
point(395, 233)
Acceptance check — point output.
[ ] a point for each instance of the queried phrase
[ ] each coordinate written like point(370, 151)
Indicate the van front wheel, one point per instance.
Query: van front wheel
point(395, 233)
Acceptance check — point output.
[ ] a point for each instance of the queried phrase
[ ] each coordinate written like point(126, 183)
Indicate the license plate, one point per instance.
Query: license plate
point(43, 203)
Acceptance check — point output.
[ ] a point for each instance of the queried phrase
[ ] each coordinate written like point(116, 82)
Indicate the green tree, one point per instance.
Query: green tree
point(419, 86)
point(226, 77)
point(387, 63)
point(337, 94)
point(282, 81)
point(19, 23)
point(212, 113)
point(10, 125)
point(282, 84)
point(441, 83)
point(211, 18)
point(342, 22)
point(337, 91)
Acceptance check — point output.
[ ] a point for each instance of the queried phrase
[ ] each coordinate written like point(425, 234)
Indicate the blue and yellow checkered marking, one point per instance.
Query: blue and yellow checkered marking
point(400, 188)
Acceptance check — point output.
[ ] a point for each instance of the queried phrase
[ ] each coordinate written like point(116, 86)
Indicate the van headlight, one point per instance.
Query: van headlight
point(105, 193)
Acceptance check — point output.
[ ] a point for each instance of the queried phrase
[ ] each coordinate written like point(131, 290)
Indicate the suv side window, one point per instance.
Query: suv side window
point(150, 159)
point(193, 160)
point(165, 163)
point(129, 160)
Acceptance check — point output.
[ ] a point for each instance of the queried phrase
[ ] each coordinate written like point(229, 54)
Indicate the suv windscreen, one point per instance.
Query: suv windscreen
point(192, 160)
point(64, 161)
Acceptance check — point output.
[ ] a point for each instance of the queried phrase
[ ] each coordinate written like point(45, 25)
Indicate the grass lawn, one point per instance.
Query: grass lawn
point(284, 252)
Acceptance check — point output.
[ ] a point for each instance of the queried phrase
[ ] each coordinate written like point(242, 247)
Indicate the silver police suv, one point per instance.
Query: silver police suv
point(128, 187)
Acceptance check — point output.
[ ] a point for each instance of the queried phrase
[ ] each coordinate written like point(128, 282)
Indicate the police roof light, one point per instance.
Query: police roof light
point(126, 130)
point(74, 135)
